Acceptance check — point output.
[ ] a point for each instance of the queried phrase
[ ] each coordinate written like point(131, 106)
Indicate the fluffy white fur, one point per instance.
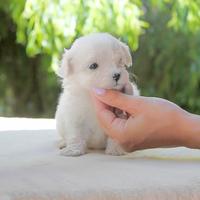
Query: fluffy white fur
point(76, 121)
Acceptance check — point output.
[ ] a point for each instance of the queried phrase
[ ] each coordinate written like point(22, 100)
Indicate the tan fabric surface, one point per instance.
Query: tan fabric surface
point(32, 169)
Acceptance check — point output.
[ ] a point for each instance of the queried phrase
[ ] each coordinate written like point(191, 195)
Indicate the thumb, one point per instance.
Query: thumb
point(117, 99)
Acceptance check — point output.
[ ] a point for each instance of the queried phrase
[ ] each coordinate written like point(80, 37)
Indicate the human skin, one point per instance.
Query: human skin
point(152, 122)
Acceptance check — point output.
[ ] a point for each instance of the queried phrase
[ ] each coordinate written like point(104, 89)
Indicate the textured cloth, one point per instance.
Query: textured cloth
point(32, 169)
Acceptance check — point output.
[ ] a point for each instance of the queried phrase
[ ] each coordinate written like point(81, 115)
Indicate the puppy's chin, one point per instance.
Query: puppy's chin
point(119, 87)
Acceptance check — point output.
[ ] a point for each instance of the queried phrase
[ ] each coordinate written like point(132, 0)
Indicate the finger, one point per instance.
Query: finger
point(119, 100)
point(99, 105)
point(112, 125)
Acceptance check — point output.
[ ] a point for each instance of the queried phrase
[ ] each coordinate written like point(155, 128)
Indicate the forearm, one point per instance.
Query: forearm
point(190, 128)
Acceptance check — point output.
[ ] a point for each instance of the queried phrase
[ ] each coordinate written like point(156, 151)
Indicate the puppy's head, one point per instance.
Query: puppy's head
point(97, 60)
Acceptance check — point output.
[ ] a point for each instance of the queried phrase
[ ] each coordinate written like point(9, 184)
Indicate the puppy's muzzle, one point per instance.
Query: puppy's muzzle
point(116, 76)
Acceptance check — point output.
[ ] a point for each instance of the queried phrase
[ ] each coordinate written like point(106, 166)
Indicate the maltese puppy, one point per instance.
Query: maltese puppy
point(94, 61)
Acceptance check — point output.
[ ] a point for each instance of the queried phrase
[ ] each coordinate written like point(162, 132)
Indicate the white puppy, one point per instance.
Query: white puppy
point(97, 60)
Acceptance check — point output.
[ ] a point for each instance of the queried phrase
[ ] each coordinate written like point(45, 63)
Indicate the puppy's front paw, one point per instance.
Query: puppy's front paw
point(74, 149)
point(113, 148)
point(115, 151)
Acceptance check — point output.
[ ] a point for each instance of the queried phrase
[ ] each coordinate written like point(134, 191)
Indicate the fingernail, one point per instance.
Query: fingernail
point(99, 91)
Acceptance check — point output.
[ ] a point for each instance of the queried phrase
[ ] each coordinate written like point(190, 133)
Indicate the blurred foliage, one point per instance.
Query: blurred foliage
point(50, 26)
point(33, 34)
point(167, 61)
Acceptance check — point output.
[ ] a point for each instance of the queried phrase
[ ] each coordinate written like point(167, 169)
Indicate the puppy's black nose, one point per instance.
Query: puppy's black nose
point(116, 76)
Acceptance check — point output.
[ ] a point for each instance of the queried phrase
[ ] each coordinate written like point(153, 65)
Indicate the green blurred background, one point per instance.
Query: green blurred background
point(164, 37)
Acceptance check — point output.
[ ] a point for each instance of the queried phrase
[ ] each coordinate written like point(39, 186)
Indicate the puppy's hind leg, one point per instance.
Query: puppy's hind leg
point(75, 146)
point(60, 132)
point(61, 143)
point(74, 142)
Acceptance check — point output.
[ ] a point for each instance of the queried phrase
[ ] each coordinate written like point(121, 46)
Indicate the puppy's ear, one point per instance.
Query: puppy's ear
point(65, 67)
point(126, 54)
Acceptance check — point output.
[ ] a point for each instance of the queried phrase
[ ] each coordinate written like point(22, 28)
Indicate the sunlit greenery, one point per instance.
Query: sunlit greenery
point(163, 35)
point(167, 61)
point(49, 26)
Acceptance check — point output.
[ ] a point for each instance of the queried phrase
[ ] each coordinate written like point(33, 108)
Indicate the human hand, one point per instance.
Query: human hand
point(152, 122)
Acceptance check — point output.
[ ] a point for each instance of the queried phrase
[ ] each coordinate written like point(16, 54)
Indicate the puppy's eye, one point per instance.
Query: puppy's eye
point(93, 66)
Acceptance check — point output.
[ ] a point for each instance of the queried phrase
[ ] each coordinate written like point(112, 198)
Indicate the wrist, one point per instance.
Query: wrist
point(189, 127)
